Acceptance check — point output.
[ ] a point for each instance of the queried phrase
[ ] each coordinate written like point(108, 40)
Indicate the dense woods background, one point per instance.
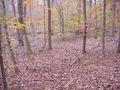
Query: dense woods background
point(60, 44)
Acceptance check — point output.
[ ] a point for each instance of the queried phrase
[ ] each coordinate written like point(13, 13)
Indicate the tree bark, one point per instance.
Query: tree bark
point(49, 25)
point(118, 15)
point(85, 26)
point(4, 82)
point(44, 46)
point(113, 17)
point(20, 40)
point(95, 21)
point(104, 27)
point(2, 69)
point(91, 2)
point(22, 16)
point(30, 11)
point(118, 49)
point(7, 38)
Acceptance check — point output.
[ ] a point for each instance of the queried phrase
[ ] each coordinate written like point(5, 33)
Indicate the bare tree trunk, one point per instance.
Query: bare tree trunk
point(20, 41)
point(49, 25)
point(5, 87)
point(8, 40)
point(21, 18)
point(104, 27)
point(31, 23)
point(62, 20)
point(52, 22)
point(62, 25)
point(44, 46)
point(118, 49)
point(95, 22)
point(118, 15)
point(85, 27)
point(79, 11)
point(9, 45)
point(113, 17)
point(91, 2)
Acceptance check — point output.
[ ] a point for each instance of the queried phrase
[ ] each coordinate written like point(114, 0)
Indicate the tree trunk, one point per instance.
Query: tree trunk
point(31, 23)
point(9, 45)
point(113, 17)
point(49, 25)
point(85, 26)
point(2, 65)
point(118, 49)
point(22, 14)
point(7, 38)
point(90, 8)
point(62, 20)
point(104, 27)
point(2, 69)
point(20, 41)
point(118, 15)
point(44, 46)
point(95, 21)
point(79, 14)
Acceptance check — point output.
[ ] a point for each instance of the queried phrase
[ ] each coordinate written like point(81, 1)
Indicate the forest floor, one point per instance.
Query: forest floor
point(65, 67)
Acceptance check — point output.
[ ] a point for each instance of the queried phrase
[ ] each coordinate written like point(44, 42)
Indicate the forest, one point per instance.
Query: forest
point(59, 44)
